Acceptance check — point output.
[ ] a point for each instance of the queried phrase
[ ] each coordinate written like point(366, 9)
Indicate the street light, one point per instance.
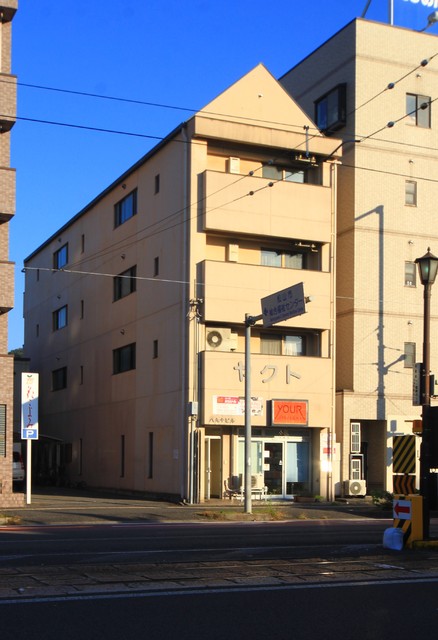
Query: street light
point(427, 268)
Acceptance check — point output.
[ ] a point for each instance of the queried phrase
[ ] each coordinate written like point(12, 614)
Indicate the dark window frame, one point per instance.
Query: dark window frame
point(60, 318)
point(59, 379)
point(125, 283)
point(125, 209)
point(124, 358)
point(333, 102)
point(60, 257)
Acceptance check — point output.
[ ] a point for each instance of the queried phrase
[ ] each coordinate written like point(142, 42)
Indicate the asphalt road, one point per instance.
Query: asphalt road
point(302, 612)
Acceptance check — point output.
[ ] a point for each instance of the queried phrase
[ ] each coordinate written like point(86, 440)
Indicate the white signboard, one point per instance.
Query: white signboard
point(283, 305)
point(235, 406)
point(29, 406)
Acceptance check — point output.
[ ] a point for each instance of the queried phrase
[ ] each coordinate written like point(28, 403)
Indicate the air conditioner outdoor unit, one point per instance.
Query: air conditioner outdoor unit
point(355, 488)
point(221, 340)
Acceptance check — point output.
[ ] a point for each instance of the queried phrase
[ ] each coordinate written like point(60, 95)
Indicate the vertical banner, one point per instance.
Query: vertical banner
point(29, 406)
point(413, 14)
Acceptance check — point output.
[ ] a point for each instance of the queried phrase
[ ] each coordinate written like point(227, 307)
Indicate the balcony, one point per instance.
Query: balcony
point(285, 210)
point(6, 286)
point(273, 377)
point(8, 102)
point(231, 290)
point(7, 194)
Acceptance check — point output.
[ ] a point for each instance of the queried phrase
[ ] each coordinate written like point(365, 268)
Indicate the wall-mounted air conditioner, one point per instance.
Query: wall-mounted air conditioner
point(220, 339)
point(355, 488)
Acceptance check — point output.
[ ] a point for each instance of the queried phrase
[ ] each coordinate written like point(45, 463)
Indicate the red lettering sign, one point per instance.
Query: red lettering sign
point(289, 412)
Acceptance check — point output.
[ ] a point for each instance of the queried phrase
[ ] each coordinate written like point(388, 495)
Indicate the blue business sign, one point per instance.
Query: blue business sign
point(414, 13)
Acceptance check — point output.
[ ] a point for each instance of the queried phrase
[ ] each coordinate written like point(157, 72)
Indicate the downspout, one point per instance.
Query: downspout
point(186, 457)
point(332, 435)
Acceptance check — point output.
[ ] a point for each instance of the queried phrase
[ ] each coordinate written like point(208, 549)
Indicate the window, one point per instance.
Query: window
point(151, 455)
point(411, 193)
point(125, 283)
point(122, 456)
point(305, 256)
point(60, 257)
point(82, 243)
point(125, 208)
point(156, 266)
point(409, 361)
point(124, 358)
point(296, 344)
point(410, 274)
point(288, 174)
point(157, 183)
point(59, 379)
point(82, 309)
point(418, 110)
point(155, 349)
point(60, 318)
point(331, 109)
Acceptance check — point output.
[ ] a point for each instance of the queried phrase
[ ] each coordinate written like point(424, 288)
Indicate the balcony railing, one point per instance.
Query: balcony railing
point(285, 210)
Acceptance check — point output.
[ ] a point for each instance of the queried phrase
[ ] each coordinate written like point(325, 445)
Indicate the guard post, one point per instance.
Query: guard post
point(408, 516)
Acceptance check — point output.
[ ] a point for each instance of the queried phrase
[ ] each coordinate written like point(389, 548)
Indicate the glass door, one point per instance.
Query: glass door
point(273, 468)
point(297, 471)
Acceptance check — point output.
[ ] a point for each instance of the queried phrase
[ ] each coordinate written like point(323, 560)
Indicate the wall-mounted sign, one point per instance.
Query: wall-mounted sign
point(290, 412)
point(235, 406)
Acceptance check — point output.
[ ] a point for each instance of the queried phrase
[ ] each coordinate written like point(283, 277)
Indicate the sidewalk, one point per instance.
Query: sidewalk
point(60, 506)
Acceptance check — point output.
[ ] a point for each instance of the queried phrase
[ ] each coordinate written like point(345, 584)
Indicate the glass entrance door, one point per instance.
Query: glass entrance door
point(273, 467)
point(283, 462)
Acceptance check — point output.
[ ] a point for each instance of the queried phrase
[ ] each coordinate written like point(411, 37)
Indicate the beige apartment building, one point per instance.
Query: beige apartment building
point(8, 93)
point(135, 311)
point(375, 86)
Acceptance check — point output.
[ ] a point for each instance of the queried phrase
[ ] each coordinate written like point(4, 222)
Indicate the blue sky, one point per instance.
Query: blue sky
point(175, 53)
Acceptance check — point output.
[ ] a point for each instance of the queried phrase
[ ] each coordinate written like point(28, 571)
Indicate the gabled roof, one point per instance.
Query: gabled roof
point(259, 98)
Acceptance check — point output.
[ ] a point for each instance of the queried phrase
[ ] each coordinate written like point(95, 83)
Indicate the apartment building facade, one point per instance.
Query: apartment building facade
point(8, 92)
point(135, 310)
point(374, 85)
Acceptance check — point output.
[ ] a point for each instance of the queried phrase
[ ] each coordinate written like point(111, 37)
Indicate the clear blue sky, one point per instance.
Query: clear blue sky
point(180, 53)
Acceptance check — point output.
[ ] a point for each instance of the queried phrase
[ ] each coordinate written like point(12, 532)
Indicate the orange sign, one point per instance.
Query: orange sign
point(289, 412)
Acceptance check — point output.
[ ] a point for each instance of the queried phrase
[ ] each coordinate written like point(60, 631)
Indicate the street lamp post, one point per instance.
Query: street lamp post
point(427, 268)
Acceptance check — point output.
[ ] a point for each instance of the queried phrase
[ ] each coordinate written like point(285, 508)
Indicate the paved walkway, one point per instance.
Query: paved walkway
point(60, 506)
